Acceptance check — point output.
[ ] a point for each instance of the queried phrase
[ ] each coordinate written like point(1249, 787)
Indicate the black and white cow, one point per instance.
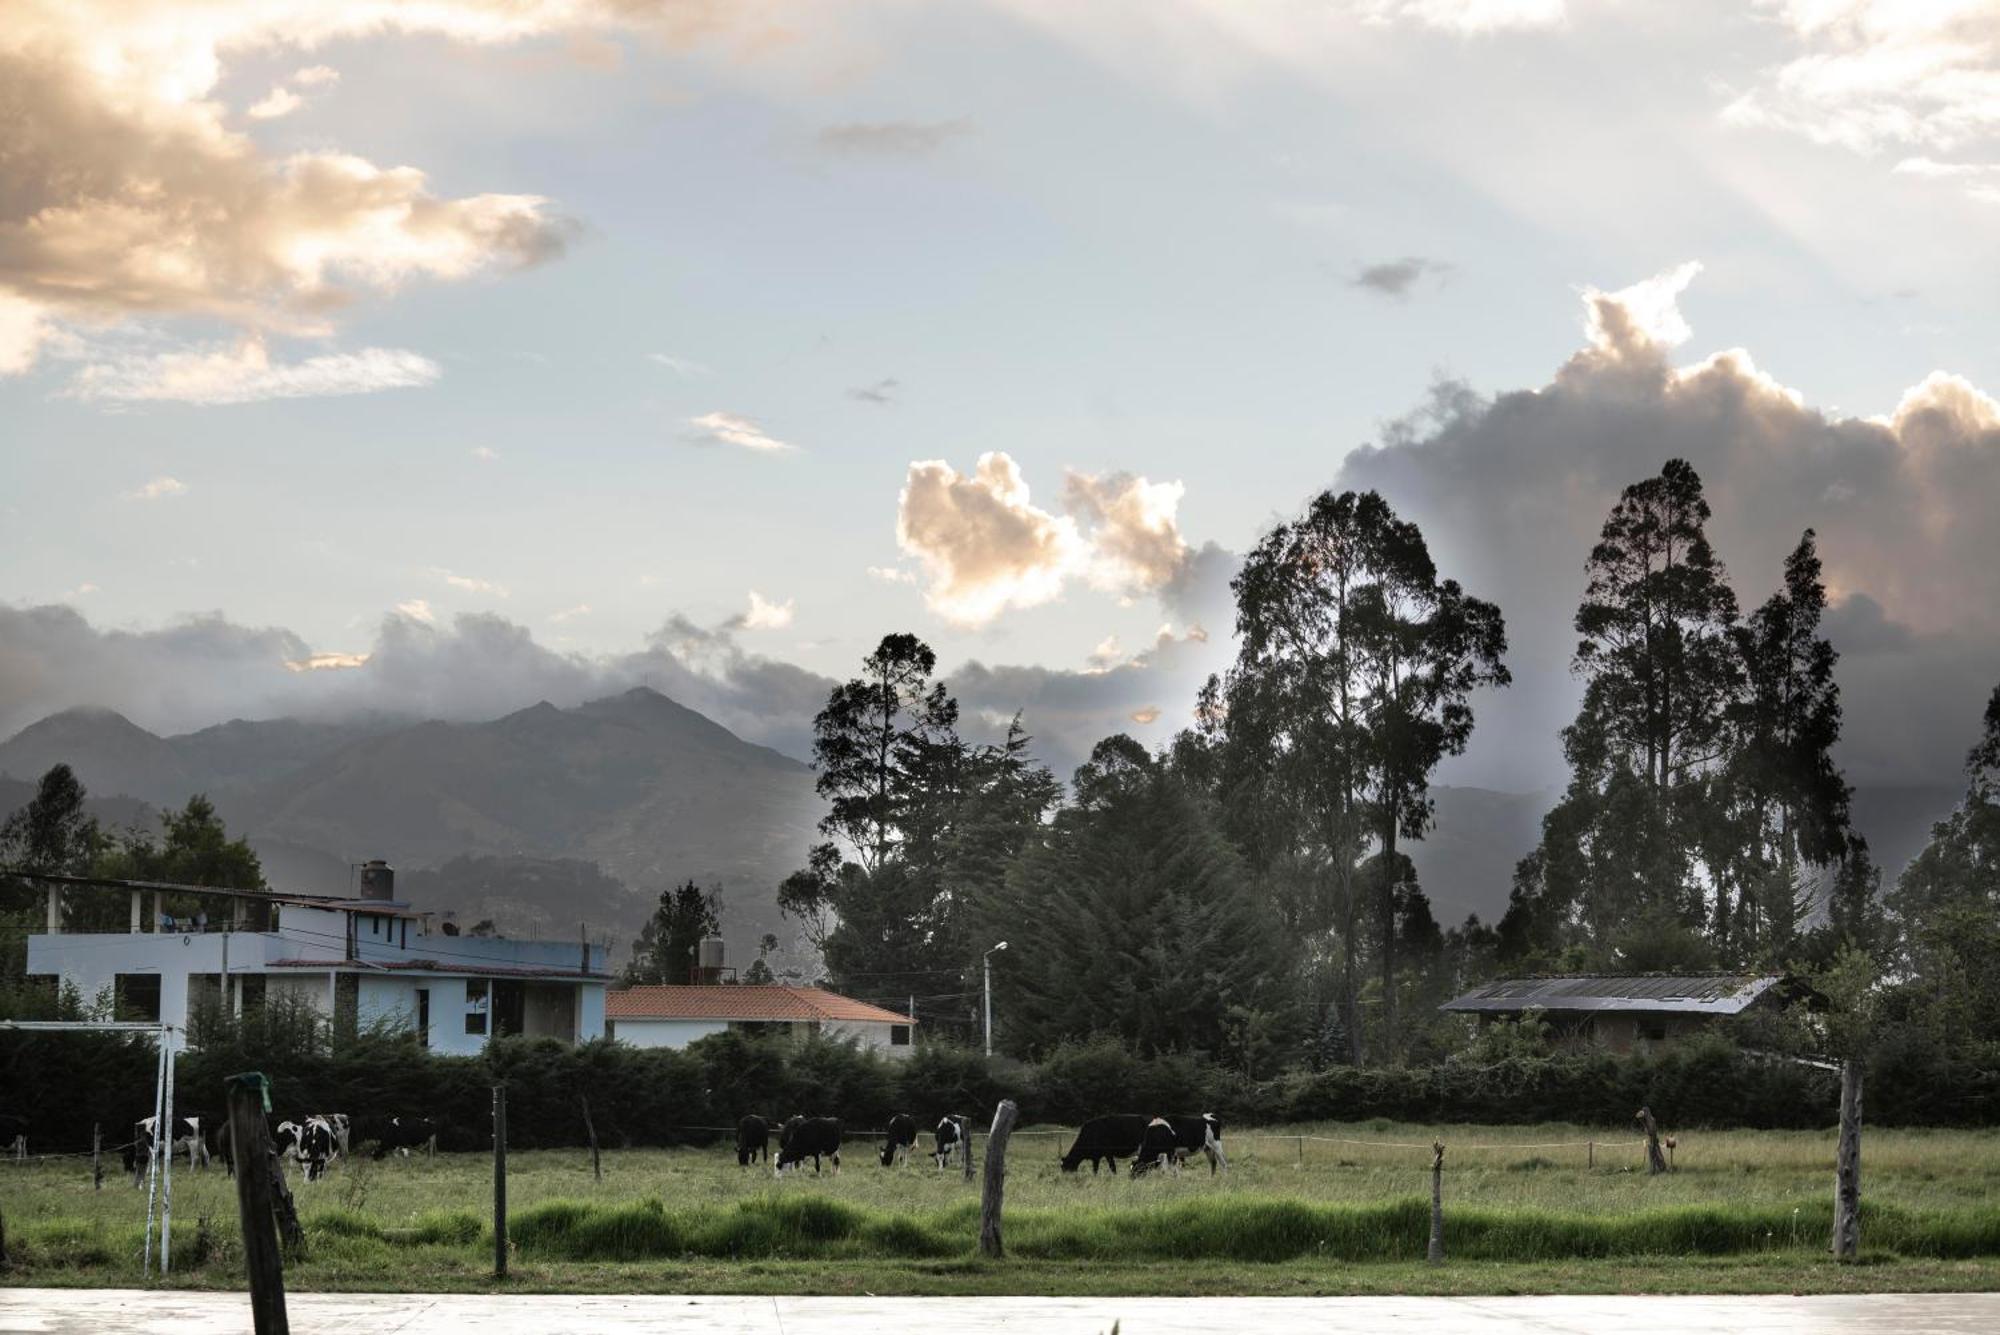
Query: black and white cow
point(902, 1138)
point(186, 1136)
point(14, 1134)
point(401, 1134)
point(1190, 1134)
point(1159, 1147)
point(814, 1136)
point(949, 1141)
point(753, 1140)
point(309, 1142)
point(1106, 1139)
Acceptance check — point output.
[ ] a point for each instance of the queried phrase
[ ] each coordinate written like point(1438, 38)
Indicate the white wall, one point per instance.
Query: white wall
point(873, 1035)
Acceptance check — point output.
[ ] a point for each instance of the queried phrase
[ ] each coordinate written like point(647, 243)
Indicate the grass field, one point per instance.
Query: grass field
point(1744, 1211)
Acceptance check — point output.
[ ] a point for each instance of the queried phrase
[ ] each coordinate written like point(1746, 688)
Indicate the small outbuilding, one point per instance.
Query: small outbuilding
point(1621, 1012)
point(672, 1016)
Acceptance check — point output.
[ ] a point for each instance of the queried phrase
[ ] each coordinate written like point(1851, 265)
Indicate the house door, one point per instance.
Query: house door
point(424, 1016)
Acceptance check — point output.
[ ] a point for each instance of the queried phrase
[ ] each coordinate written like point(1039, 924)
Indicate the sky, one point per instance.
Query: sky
point(441, 358)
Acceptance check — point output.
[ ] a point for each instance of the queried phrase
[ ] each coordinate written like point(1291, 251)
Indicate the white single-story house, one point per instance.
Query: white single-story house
point(673, 1017)
point(373, 959)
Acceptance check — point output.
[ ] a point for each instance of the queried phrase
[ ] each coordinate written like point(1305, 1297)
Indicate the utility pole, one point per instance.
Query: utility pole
point(986, 962)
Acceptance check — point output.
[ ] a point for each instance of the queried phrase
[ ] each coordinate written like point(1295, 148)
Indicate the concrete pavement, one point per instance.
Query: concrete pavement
point(135, 1312)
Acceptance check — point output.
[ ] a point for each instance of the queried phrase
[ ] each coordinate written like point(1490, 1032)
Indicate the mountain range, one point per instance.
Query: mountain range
point(548, 818)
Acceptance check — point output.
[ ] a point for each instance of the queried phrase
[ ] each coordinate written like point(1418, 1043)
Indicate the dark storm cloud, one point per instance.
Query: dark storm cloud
point(1511, 492)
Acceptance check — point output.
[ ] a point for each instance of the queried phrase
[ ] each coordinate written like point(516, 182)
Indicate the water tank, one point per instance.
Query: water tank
point(709, 957)
point(378, 880)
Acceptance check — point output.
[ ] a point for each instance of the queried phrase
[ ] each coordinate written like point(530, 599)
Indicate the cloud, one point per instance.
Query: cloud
point(570, 613)
point(128, 195)
point(1511, 490)
point(882, 392)
point(82, 590)
point(1397, 278)
point(763, 614)
point(280, 101)
point(245, 374)
point(1876, 74)
point(1145, 715)
point(486, 454)
point(417, 609)
point(1467, 17)
point(731, 429)
point(327, 662)
point(470, 584)
point(157, 489)
point(680, 366)
point(891, 139)
point(316, 76)
point(892, 574)
point(986, 547)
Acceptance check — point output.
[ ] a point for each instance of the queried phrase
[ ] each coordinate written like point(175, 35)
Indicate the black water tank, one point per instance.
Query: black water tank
point(378, 880)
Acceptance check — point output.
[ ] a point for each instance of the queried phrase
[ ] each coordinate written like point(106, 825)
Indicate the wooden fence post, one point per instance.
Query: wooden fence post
point(1435, 1253)
point(590, 1129)
point(1656, 1162)
point(996, 1178)
point(1593, 1154)
point(1847, 1166)
point(249, 1096)
point(499, 1181)
point(97, 1156)
point(1302, 1151)
point(965, 1142)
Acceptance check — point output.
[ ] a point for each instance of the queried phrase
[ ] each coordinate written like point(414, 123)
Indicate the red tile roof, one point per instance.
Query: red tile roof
point(741, 1002)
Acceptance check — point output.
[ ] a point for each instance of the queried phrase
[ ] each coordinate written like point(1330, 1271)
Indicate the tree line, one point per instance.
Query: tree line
point(1245, 892)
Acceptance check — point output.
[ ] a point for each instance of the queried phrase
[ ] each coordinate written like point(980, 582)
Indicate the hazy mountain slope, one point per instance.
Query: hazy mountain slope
point(111, 754)
point(652, 791)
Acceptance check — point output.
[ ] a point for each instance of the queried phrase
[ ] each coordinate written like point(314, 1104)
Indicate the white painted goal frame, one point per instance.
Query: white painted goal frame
point(160, 1163)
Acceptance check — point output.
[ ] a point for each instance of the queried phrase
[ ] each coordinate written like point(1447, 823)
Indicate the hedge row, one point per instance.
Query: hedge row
point(64, 1083)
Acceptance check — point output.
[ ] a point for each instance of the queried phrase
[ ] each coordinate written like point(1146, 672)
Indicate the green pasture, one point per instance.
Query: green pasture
point(1324, 1208)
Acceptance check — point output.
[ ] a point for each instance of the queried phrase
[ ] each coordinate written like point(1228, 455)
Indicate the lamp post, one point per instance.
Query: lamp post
point(986, 962)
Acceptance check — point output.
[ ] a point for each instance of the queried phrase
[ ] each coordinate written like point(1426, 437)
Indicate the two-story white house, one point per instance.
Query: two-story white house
point(367, 961)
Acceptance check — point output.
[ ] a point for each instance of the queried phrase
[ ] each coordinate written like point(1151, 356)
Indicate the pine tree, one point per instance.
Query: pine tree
point(668, 946)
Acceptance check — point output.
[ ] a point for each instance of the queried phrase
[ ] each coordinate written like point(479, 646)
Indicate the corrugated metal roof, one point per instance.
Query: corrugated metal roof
point(1685, 994)
point(741, 1002)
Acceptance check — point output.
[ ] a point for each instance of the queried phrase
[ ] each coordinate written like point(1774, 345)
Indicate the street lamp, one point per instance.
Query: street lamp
point(986, 962)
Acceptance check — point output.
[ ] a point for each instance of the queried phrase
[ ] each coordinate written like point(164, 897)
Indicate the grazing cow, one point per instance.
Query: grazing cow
point(403, 1134)
point(186, 1136)
point(949, 1142)
point(1159, 1147)
point(813, 1136)
point(1106, 1139)
point(902, 1138)
point(1199, 1133)
point(14, 1134)
point(315, 1146)
point(753, 1140)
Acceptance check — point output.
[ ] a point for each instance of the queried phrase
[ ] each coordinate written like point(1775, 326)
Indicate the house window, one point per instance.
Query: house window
point(1653, 1031)
point(136, 996)
point(475, 1006)
point(899, 1036)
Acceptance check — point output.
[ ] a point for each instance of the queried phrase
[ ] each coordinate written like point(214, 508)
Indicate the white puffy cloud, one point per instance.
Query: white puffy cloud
point(157, 489)
point(470, 583)
point(985, 546)
point(125, 192)
point(244, 373)
point(417, 609)
point(740, 432)
point(1510, 492)
point(1875, 74)
point(280, 101)
point(763, 614)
